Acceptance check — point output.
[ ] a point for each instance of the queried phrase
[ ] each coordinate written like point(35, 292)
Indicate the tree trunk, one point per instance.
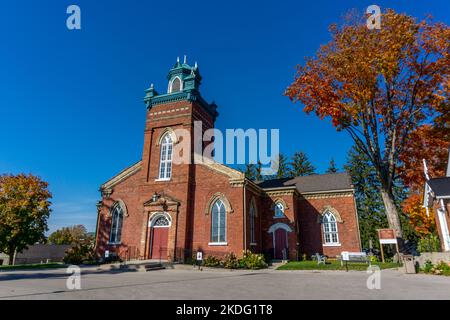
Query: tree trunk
point(392, 212)
point(11, 254)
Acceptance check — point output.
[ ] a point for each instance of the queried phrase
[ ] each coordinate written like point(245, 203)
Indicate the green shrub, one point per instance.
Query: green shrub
point(231, 261)
point(80, 253)
point(442, 268)
point(304, 257)
point(373, 259)
point(252, 260)
point(211, 261)
point(429, 243)
point(427, 267)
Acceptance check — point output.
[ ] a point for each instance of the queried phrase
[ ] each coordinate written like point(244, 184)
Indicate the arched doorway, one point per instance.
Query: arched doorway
point(159, 236)
point(280, 240)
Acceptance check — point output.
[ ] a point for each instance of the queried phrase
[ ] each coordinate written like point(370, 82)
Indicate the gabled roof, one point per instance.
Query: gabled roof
point(122, 176)
point(312, 183)
point(221, 168)
point(440, 187)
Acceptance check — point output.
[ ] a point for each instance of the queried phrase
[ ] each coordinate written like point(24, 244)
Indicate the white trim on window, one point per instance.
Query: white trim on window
point(219, 213)
point(279, 210)
point(165, 158)
point(330, 230)
point(331, 245)
point(217, 243)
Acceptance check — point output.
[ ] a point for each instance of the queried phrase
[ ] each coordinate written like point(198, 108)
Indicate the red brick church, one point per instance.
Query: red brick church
point(159, 209)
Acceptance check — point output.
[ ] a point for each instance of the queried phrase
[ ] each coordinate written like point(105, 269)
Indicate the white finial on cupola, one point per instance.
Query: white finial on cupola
point(185, 59)
point(178, 59)
point(196, 65)
point(151, 86)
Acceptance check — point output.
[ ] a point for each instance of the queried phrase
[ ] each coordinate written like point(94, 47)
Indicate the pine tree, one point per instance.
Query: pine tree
point(301, 166)
point(332, 168)
point(283, 168)
point(250, 171)
point(371, 213)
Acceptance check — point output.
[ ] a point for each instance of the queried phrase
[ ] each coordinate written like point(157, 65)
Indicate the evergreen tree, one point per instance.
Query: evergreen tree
point(332, 167)
point(251, 171)
point(283, 167)
point(301, 166)
point(371, 213)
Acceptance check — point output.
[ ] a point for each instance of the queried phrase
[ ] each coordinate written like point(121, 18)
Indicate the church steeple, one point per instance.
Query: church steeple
point(183, 84)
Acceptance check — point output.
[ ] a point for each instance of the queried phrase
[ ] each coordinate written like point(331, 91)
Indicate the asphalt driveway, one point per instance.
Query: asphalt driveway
point(186, 283)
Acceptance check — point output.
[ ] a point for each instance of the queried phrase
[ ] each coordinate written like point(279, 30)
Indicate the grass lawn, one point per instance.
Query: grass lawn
point(33, 266)
point(333, 265)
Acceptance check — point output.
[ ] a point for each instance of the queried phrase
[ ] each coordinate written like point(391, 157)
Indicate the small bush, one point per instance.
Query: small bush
point(373, 259)
point(231, 261)
point(80, 253)
point(304, 257)
point(429, 243)
point(252, 260)
point(211, 261)
point(428, 266)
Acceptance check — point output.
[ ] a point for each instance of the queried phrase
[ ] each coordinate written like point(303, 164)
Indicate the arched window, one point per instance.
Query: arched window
point(116, 224)
point(252, 223)
point(218, 222)
point(175, 85)
point(161, 222)
point(279, 210)
point(330, 230)
point(165, 164)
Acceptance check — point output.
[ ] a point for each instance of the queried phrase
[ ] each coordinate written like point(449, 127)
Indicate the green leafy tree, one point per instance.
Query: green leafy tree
point(301, 166)
point(371, 211)
point(68, 235)
point(24, 211)
point(332, 167)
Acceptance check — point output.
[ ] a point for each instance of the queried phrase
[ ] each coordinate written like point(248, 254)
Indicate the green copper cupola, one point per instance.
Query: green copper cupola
point(183, 77)
point(183, 84)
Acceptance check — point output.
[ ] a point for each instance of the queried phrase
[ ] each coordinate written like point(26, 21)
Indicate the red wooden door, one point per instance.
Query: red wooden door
point(280, 243)
point(159, 243)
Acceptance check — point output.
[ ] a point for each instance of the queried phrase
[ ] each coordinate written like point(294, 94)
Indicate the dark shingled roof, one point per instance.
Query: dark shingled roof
point(312, 183)
point(440, 186)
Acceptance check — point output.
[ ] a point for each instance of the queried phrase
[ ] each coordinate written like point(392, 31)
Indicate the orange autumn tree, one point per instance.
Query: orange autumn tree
point(24, 210)
point(379, 86)
point(429, 142)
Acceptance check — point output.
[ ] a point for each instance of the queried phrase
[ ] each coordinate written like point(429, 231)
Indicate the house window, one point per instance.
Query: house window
point(218, 222)
point(252, 223)
point(165, 164)
point(330, 230)
point(279, 210)
point(116, 224)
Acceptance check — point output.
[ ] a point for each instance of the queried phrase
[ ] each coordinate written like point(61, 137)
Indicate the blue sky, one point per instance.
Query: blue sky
point(71, 105)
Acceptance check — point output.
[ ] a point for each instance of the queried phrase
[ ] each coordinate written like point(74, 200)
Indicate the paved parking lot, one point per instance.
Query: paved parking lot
point(186, 283)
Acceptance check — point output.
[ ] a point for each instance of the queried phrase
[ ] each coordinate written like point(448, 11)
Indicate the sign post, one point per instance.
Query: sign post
point(387, 236)
point(199, 259)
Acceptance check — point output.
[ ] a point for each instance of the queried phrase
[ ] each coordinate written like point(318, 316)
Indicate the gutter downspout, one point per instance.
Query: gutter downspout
point(245, 216)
